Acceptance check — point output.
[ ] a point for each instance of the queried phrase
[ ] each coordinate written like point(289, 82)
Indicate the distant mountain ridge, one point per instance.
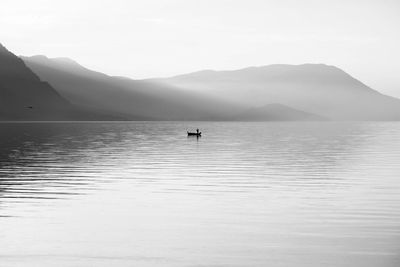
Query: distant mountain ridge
point(135, 99)
point(42, 88)
point(315, 88)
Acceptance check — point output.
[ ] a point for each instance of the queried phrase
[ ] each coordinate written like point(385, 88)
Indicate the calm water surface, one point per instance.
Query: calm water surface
point(245, 194)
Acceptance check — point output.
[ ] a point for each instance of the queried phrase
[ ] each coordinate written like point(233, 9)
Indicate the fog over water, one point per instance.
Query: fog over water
point(244, 194)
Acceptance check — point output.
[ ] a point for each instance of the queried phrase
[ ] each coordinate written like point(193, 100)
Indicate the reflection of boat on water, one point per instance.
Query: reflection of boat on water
point(197, 133)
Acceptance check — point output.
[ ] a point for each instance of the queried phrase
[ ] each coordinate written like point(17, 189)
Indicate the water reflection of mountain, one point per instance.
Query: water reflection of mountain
point(48, 160)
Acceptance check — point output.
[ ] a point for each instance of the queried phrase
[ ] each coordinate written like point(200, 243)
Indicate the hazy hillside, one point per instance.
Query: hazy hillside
point(23, 96)
point(304, 92)
point(276, 112)
point(315, 88)
point(135, 99)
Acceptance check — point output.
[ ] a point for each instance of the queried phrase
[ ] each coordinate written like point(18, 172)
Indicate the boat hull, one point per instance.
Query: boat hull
point(194, 134)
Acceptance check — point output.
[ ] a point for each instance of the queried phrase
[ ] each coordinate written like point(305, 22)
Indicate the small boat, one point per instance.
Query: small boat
point(198, 134)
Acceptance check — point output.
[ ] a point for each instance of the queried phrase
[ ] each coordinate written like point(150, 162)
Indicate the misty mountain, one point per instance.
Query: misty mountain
point(134, 99)
point(23, 96)
point(315, 88)
point(276, 112)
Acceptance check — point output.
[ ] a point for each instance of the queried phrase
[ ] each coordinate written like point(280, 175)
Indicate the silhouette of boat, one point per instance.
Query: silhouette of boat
point(194, 134)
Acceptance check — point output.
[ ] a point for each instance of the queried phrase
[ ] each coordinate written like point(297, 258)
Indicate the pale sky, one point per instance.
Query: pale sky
point(152, 38)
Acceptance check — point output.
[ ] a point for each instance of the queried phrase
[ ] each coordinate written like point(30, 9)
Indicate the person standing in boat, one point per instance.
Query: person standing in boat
point(197, 131)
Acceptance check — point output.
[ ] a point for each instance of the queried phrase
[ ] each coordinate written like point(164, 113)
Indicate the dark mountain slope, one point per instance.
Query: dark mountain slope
point(23, 96)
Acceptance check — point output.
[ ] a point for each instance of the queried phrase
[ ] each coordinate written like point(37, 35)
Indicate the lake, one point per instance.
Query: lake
point(245, 194)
